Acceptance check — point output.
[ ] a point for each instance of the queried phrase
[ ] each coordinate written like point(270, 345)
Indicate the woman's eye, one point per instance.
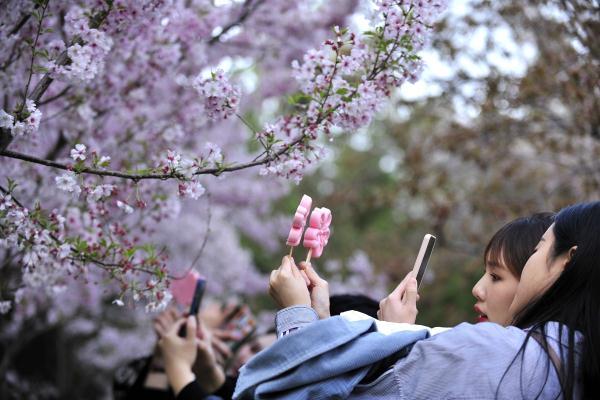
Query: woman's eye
point(495, 277)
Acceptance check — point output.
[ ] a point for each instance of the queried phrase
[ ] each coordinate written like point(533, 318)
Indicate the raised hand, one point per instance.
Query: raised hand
point(401, 304)
point(319, 290)
point(287, 286)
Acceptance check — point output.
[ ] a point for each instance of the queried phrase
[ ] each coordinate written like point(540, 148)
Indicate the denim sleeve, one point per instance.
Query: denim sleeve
point(475, 362)
point(294, 317)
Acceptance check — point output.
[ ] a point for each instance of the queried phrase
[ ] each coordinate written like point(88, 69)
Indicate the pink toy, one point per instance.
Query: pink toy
point(299, 222)
point(183, 289)
point(317, 234)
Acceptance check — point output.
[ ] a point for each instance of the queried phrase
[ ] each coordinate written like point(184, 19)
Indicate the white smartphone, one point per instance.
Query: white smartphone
point(423, 257)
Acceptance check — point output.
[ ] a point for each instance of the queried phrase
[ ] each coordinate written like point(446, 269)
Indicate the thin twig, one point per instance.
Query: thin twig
point(56, 96)
point(248, 10)
point(33, 47)
point(20, 24)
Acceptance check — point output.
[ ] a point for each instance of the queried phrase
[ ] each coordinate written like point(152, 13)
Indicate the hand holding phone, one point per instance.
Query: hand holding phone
point(401, 304)
point(196, 301)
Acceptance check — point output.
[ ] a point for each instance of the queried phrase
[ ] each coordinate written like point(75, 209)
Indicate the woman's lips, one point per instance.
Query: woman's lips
point(481, 317)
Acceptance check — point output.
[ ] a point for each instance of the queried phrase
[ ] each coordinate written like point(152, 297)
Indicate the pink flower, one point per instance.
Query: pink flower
point(78, 153)
point(68, 183)
point(173, 159)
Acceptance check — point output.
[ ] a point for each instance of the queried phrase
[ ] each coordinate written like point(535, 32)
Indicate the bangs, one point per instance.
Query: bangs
point(494, 254)
point(514, 243)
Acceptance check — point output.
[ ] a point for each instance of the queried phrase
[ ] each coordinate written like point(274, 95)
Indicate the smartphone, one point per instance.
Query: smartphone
point(423, 257)
point(196, 301)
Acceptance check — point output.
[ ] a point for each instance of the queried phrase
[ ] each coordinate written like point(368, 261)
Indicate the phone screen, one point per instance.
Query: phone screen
point(423, 257)
point(196, 301)
point(198, 294)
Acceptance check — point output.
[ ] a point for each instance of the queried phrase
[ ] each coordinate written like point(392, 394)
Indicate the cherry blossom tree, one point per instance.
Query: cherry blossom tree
point(139, 139)
point(105, 101)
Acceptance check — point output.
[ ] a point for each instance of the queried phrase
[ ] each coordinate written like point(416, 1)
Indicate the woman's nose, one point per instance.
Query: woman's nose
point(478, 290)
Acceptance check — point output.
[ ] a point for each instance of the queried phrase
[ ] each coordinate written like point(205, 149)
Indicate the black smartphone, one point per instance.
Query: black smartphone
point(196, 302)
point(423, 257)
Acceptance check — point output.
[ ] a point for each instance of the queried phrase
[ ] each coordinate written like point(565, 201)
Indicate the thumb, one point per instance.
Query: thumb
point(411, 293)
point(398, 292)
point(286, 264)
point(190, 328)
point(312, 275)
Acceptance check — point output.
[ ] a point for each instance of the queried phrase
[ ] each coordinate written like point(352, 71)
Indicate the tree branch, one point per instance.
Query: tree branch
point(20, 24)
point(139, 177)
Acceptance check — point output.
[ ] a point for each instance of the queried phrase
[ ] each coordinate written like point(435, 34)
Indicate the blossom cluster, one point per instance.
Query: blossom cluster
point(30, 123)
point(86, 58)
point(221, 98)
point(346, 81)
point(49, 254)
point(42, 254)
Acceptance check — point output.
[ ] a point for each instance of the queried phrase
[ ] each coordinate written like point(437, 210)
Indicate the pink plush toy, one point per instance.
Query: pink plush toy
point(299, 222)
point(317, 234)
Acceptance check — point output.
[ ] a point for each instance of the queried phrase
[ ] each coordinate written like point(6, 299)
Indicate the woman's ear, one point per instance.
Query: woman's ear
point(571, 253)
point(564, 259)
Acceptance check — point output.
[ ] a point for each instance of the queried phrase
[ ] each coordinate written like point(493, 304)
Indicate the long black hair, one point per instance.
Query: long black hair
point(573, 300)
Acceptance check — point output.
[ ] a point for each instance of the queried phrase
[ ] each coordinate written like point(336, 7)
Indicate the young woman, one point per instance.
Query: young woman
point(504, 258)
point(556, 303)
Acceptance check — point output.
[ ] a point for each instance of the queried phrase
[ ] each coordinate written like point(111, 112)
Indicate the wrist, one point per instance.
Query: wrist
point(179, 376)
point(210, 379)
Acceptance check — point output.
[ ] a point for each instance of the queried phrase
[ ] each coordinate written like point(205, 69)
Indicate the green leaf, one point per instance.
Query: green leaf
point(12, 185)
point(81, 246)
point(299, 98)
point(38, 69)
point(341, 91)
point(129, 253)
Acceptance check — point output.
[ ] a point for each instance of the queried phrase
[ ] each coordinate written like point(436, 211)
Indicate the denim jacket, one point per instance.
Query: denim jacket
point(466, 362)
point(324, 360)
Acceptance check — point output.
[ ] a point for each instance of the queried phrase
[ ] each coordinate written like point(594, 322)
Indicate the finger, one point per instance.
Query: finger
point(379, 314)
point(401, 286)
point(306, 279)
point(285, 265)
point(312, 275)
point(173, 314)
point(158, 329)
point(273, 277)
point(221, 348)
point(226, 335)
point(162, 326)
point(294, 268)
point(410, 294)
point(172, 331)
point(190, 334)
